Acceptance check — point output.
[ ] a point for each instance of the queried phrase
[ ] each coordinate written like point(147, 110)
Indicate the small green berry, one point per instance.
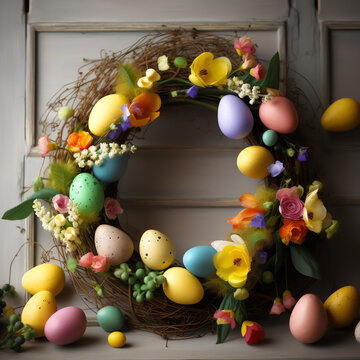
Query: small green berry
point(160, 279)
point(140, 273)
point(19, 340)
point(18, 325)
point(149, 295)
point(144, 287)
point(137, 286)
point(151, 285)
point(65, 112)
point(180, 62)
point(124, 276)
point(147, 278)
point(140, 298)
point(153, 274)
point(131, 280)
point(10, 328)
point(267, 277)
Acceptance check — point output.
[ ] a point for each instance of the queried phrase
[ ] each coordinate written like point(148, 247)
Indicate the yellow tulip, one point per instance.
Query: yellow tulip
point(314, 211)
point(207, 71)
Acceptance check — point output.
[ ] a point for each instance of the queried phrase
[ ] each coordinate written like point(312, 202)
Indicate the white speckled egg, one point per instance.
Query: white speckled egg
point(114, 244)
point(156, 250)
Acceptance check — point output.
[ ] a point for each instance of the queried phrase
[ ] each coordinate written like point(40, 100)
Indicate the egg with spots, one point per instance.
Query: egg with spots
point(156, 250)
point(87, 193)
point(114, 244)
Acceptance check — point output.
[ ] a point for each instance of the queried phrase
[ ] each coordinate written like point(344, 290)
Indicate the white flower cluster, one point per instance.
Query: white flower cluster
point(92, 156)
point(244, 89)
point(56, 224)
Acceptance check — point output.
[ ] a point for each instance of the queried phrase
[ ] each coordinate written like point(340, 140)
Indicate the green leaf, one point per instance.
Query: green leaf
point(222, 331)
point(280, 253)
point(228, 303)
point(24, 209)
point(304, 262)
point(240, 312)
point(71, 264)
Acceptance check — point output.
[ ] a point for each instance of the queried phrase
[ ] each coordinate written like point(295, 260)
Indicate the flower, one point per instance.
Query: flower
point(258, 221)
point(193, 91)
point(225, 317)
point(249, 201)
point(45, 145)
point(180, 62)
point(163, 63)
point(294, 231)
point(60, 220)
point(233, 264)
point(78, 141)
point(261, 257)
point(144, 109)
point(290, 152)
point(288, 300)
point(248, 61)
point(332, 229)
point(252, 332)
point(277, 307)
point(244, 45)
point(70, 234)
point(314, 211)
point(276, 169)
point(61, 203)
point(236, 239)
point(86, 260)
point(99, 263)
point(303, 154)
point(291, 207)
point(258, 72)
point(241, 294)
point(147, 81)
point(112, 208)
point(207, 71)
point(243, 218)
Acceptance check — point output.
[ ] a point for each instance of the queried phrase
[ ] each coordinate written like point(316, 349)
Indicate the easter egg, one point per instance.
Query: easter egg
point(270, 137)
point(341, 115)
point(342, 306)
point(87, 193)
point(199, 260)
point(38, 310)
point(48, 276)
point(117, 339)
point(182, 287)
point(234, 117)
point(279, 114)
point(357, 332)
point(253, 161)
point(105, 112)
point(308, 320)
point(111, 169)
point(114, 244)
point(66, 326)
point(110, 318)
point(156, 250)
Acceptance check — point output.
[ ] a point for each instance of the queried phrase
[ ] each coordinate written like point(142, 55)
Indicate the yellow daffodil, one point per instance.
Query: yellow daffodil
point(233, 264)
point(207, 71)
point(163, 63)
point(146, 82)
point(314, 211)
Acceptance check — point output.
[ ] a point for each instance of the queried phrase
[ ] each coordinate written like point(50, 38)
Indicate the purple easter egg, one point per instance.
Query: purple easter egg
point(234, 117)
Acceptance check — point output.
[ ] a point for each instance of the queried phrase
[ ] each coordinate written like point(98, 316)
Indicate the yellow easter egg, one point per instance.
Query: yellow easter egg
point(38, 310)
point(49, 277)
point(156, 250)
point(106, 111)
point(342, 306)
point(254, 160)
point(182, 287)
point(341, 115)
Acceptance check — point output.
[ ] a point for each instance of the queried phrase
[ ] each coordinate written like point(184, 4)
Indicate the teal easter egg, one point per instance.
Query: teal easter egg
point(199, 260)
point(110, 318)
point(270, 137)
point(87, 193)
point(111, 169)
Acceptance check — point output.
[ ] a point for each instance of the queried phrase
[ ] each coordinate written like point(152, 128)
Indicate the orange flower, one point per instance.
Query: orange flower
point(144, 109)
point(243, 218)
point(248, 200)
point(79, 141)
point(293, 230)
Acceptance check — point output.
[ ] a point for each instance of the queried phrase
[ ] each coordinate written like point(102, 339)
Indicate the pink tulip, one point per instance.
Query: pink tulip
point(277, 307)
point(99, 263)
point(87, 259)
point(288, 300)
point(244, 45)
point(258, 72)
point(248, 61)
point(45, 145)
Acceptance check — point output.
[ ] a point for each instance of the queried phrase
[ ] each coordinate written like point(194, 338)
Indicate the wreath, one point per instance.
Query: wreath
point(94, 123)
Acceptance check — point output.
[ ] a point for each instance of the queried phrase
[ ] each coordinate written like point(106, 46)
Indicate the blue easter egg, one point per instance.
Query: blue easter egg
point(111, 169)
point(234, 117)
point(199, 260)
point(270, 137)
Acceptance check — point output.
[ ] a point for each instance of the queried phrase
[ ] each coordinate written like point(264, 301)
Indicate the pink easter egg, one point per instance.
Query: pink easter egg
point(65, 326)
point(279, 114)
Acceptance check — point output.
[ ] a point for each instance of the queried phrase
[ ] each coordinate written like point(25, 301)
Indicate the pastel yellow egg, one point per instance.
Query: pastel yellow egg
point(117, 339)
point(182, 287)
point(106, 111)
point(38, 310)
point(49, 277)
point(254, 160)
point(156, 250)
point(341, 115)
point(342, 306)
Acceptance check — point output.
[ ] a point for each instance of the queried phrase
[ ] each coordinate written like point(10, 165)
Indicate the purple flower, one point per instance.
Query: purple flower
point(303, 154)
point(261, 257)
point(115, 133)
point(125, 123)
point(193, 91)
point(258, 221)
point(276, 169)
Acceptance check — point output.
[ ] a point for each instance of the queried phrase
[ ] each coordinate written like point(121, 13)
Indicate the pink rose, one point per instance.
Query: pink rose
point(87, 259)
point(99, 263)
point(286, 192)
point(291, 207)
point(258, 72)
point(277, 307)
point(61, 203)
point(244, 45)
point(45, 145)
point(112, 208)
point(248, 61)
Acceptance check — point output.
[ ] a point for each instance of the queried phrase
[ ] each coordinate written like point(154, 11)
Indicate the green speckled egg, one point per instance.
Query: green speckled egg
point(270, 137)
point(110, 318)
point(88, 193)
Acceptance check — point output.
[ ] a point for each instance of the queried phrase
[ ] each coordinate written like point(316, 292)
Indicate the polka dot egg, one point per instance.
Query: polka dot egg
point(156, 250)
point(87, 192)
